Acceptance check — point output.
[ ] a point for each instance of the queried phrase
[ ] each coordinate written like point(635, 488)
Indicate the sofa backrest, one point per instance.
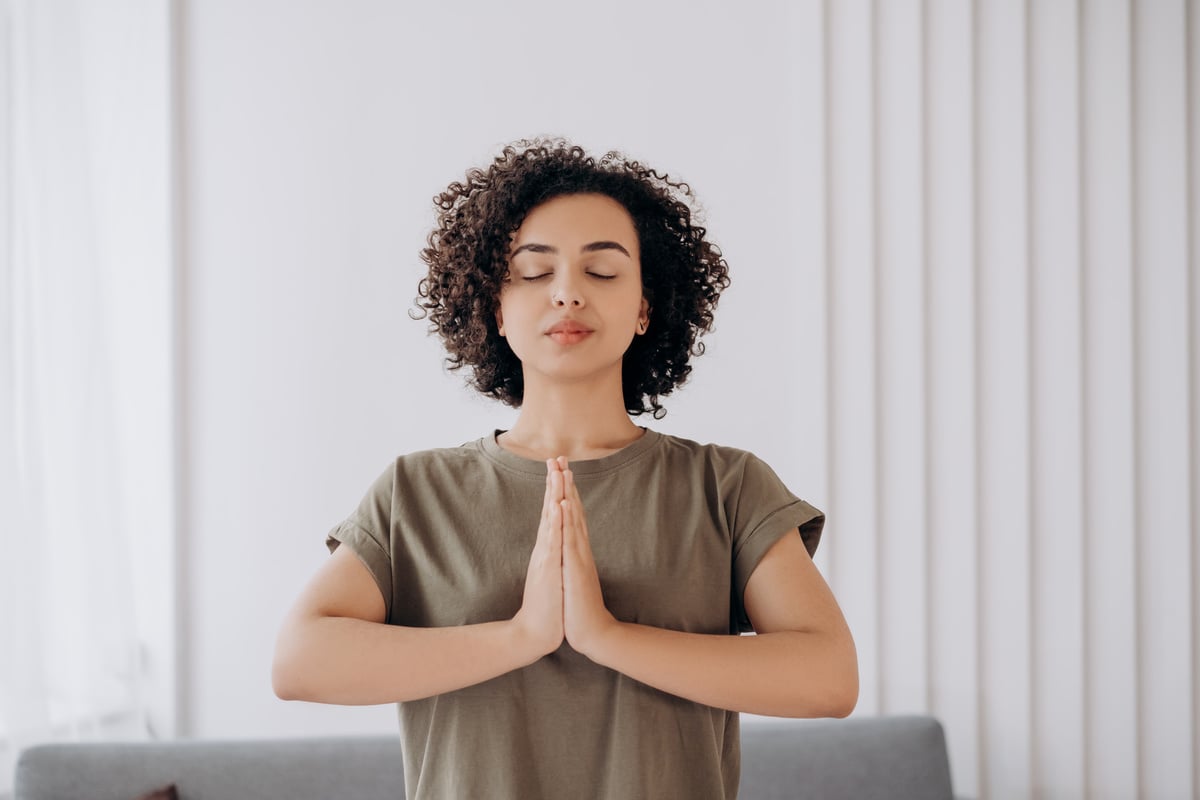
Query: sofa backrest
point(899, 758)
point(365, 767)
point(866, 758)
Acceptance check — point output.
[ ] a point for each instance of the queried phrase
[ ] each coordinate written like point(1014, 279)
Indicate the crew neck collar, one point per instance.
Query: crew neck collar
point(587, 466)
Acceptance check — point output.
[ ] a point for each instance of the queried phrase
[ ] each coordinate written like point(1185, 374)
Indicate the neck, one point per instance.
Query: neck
point(576, 420)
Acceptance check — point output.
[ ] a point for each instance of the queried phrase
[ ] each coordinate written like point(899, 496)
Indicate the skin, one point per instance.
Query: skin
point(801, 663)
point(572, 403)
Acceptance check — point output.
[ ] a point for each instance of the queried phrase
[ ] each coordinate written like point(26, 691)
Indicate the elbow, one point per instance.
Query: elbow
point(840, 696)
point(290, 672)
point(284, 680)
point(282, 684)
point(830, 686)
point(843, 700)
point(844, 696)
point(838, 700)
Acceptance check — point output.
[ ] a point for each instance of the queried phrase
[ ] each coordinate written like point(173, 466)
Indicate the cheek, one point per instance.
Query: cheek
point(505, 307)
point(513, 314)
point(634, 304)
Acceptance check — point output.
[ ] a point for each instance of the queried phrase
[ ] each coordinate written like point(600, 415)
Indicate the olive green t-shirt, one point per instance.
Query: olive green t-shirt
point(676, 529)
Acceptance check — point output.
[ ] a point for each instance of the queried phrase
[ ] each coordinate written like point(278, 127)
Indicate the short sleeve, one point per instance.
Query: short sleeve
point(367, 532)
point(764, 509)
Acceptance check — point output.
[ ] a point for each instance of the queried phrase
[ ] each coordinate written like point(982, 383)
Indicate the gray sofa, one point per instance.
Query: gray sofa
point(862, 758)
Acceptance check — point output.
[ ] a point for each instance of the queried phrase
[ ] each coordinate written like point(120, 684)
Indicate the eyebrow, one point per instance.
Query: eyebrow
point(534, 247)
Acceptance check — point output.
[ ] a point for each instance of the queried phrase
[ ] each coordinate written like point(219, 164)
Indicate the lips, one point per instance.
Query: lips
point(568, 326)
point(568, 331)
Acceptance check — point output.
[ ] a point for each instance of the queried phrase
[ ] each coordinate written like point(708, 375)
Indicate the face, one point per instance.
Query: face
point(572, 301)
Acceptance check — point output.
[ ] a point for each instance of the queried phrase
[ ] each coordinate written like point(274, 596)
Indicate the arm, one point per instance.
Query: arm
point(334, 646)
point(802, 663)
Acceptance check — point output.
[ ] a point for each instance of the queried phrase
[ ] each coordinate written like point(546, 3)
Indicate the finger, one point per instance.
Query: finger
point(556, 486)
point(547, 498)
point(571, 532)
point(551, 499)
point(572, 492)
point(555, 529)
point(571, 489)
point(568, 531)
point(545, 532)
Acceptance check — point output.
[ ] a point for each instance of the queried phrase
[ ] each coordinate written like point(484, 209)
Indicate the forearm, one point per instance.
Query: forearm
point(350, 661)
point(787, 673)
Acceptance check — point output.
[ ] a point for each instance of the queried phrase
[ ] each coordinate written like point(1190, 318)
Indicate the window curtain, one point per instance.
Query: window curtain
point(70, 663)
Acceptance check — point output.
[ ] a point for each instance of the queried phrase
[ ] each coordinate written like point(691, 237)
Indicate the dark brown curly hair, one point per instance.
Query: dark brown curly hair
point(683, 273)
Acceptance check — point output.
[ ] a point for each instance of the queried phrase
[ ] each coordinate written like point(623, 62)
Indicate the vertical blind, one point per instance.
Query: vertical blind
point(1008, 193)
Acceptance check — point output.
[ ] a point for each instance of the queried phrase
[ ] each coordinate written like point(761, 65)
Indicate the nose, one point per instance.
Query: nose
point(566, 292)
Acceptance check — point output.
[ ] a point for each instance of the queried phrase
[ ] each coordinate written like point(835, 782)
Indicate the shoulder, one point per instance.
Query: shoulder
point(715, 458)
point(466, 453)
point(732, 474)
point(420, 466)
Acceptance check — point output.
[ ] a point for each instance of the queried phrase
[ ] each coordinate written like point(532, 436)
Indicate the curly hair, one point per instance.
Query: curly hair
point(683, 273)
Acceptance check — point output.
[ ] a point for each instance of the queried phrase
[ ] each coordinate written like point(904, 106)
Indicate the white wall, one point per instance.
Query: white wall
point(963, 321)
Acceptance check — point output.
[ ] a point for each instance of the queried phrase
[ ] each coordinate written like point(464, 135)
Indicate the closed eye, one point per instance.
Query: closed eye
point(601, 276)
point(537, 277)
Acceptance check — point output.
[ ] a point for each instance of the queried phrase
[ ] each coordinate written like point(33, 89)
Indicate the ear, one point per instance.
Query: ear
point(500, 320)
point(643, 316)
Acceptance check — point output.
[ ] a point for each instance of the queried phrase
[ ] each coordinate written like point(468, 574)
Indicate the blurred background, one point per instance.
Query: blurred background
point(963, 322)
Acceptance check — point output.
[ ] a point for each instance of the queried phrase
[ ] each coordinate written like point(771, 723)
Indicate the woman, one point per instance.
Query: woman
point(551, 606)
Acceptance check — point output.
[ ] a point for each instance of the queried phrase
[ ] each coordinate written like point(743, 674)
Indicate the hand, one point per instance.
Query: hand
point(585, 617)
point(540, 618)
